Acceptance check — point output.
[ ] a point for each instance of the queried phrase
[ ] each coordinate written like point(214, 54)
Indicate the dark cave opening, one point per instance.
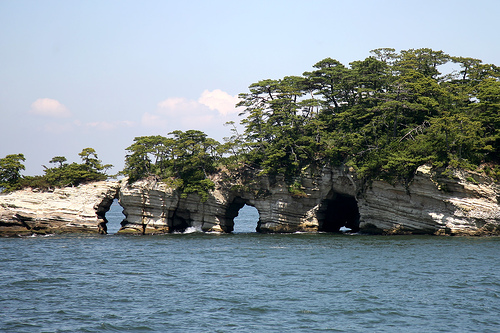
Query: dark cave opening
point(178, 221)
point(339, 210)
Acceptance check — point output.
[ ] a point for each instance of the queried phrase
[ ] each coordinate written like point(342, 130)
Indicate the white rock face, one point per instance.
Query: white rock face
point(431, 204)
point(69, 209)
point(460, 203)
point(152, 207)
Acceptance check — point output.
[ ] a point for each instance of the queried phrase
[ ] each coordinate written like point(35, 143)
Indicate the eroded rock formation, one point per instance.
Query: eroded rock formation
point(151, 207)
point(459, 203)
point(69, 209)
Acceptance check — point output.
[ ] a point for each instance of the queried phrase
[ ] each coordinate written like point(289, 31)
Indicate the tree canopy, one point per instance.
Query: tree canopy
point(383, 116)
point(10, 171)
point(184, 159)
point(63, 174)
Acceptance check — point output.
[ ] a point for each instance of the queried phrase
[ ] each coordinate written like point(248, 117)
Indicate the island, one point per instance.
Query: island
point(386, 145)
point(331, 199)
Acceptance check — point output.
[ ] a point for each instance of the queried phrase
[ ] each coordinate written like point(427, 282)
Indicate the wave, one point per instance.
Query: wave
point(191, 230)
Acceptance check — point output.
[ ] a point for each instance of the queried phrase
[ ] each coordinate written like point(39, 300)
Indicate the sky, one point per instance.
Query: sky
point(77, 74)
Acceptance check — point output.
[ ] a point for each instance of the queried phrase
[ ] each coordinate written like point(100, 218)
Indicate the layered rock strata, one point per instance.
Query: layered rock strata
point(459, 203)
point(69, 209)
point(456, 203)
point(152, 207)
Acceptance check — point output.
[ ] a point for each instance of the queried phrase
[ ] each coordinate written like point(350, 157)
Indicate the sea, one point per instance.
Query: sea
point(248, 282)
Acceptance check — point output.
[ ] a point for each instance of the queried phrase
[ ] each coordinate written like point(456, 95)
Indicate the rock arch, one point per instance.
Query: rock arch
point(232, 211)
point(102, 208)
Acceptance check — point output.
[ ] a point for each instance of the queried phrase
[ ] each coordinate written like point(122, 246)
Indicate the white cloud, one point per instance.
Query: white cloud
point(49, 108)
point(219, 100)
point(179, 113)
point(208, 114)
point(177, 104)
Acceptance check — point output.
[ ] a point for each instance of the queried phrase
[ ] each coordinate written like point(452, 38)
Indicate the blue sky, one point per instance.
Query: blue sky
point(77, 74)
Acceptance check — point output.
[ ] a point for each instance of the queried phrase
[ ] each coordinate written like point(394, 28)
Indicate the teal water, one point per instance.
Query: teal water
point(248, 282)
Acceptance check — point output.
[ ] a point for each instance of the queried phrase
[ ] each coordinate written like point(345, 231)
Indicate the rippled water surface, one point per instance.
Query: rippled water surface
point(247, 282)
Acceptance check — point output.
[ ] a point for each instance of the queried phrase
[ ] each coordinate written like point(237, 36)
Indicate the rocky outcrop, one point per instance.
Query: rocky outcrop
point(151, 206)
point(457, 202)
point(69, 209)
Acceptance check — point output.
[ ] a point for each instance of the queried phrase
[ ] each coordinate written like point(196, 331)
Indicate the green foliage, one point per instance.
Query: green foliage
point(60, 160)
point(10, 172)
point(183, 160)
point(73, 174)
point(148, 155)
point(201, 187)
point(90, 161)
point(493, 172)
point(63, 174)
point(296, 190)
point(384, 116)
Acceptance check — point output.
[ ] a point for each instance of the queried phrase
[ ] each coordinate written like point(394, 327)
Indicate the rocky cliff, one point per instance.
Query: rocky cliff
point(151, 207)
point(456, 203)
point(69, 209)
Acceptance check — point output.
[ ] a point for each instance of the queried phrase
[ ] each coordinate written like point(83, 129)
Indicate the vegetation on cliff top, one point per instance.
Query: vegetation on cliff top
point(383, 116)
point(62, 174)
point(184, 160)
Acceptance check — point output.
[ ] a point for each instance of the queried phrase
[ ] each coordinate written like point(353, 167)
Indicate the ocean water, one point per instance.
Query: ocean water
point(249, 282)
